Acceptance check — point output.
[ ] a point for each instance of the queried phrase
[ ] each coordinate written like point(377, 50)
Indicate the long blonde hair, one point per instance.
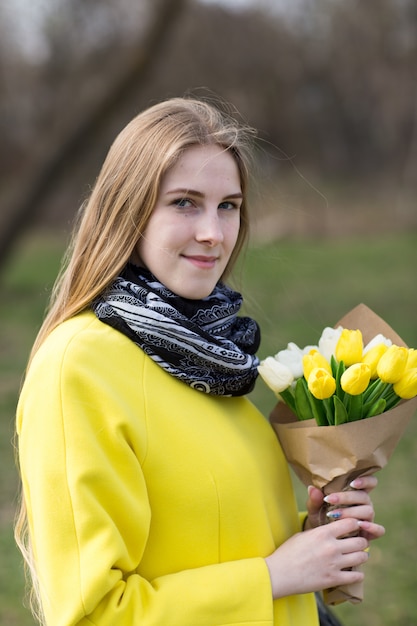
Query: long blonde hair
point(125, 193)
point(115, 216)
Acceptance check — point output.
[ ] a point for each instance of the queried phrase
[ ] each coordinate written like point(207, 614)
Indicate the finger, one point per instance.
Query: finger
point(348, 498)
point(315, 499)
point(367, 483)
point(371, 530)
point(341, 528)
point(351, 576)
point(353, 544)
point(354, 559)
point(315, 495)
point(359, 512)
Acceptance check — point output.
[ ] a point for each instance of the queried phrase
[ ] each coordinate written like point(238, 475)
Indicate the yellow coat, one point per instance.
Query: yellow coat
point(150, 504)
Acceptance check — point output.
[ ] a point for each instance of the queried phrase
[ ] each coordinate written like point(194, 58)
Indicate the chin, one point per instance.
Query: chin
point(196, 294)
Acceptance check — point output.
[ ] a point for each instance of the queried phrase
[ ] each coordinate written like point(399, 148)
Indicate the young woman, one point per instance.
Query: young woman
point(154, 493)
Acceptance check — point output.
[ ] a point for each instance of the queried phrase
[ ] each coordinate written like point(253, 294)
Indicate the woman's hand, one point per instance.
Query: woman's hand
point(354, 503)
point(325, 554)
point(319, 558)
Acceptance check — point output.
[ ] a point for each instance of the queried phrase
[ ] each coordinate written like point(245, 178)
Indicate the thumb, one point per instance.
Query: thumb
point(315, 500)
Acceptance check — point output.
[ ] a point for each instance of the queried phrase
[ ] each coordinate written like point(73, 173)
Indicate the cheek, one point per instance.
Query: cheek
point(232, 233)
point(161, 241)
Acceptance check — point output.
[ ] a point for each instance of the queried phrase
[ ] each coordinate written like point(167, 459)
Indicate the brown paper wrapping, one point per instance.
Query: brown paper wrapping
point(330, 457)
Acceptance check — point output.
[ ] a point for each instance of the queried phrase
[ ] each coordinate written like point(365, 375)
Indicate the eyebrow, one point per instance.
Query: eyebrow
point(194, 192)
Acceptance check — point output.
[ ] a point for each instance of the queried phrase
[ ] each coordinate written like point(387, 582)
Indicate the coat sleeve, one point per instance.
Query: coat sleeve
point(89, 513)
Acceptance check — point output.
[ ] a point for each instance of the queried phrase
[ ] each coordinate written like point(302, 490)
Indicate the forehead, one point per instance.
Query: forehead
point(202, 163)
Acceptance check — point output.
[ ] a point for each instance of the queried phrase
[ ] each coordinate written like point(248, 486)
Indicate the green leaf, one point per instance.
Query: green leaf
point(346, 401)
point(340, 370)
point(391, 401)
point(340, 413)
point(376, 408)
point(288, 398)
point(355, 407)
point(329, 409)
point(319, 412)
point(301, 399)
point(333, 365)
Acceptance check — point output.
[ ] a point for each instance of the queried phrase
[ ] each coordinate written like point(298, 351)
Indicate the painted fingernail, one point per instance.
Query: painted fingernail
point(331, 499)
point(356, 484)
point(334, 514)
point(363, 524)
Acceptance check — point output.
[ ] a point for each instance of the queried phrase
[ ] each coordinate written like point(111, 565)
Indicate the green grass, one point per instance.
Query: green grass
point(25, 288)
point(294, 289)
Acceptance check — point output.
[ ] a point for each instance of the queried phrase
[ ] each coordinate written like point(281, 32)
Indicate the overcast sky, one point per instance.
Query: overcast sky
point(23, 19)
point(235, 4)
point(279, 5)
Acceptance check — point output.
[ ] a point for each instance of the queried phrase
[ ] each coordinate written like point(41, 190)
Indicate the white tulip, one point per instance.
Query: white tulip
point(275, 374)
point(328, 341)
point(292, 357)
point(378, 339)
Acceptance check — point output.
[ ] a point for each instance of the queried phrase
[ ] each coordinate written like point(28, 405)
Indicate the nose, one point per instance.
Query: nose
point(209, 228)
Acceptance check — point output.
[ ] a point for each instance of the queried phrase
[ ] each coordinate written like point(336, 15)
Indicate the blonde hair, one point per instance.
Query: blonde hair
point(124, 195)
point(115, 216)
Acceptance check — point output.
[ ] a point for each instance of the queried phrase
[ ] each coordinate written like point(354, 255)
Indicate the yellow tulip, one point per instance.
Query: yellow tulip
point(392, 364)
point(312, 360)
point(406, 387)
point(321, 384)
point(372, 357)
point(411, 358)
point(356, 378)
point(349, 348)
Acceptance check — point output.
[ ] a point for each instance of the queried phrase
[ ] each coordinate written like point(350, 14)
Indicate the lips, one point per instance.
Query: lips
point(203, 262)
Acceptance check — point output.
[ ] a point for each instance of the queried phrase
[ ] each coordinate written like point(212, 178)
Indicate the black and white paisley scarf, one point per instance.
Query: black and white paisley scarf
point(202, 342)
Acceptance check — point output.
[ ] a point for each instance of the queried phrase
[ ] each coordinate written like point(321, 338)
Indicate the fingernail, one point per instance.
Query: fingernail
point(334, 514)
point(331, 499)
point(363, 524)
point(356, 484)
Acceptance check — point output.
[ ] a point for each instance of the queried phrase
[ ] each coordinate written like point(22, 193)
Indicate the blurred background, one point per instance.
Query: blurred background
point(329, 84)
point(331, 87)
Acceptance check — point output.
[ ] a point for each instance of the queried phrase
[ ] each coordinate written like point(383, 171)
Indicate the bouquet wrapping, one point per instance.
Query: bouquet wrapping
point(330, 457)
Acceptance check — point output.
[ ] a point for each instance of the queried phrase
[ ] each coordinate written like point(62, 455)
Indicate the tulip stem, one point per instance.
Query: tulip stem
point(374, 391)
point(391, 400)
point(288, 398)
point(387, 391)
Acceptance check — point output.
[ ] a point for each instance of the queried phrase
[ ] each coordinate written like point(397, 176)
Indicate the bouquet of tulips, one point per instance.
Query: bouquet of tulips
point(343, 405)
point(340, 380)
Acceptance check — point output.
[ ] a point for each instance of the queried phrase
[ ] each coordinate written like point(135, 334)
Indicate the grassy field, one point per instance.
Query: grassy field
point(294, 290)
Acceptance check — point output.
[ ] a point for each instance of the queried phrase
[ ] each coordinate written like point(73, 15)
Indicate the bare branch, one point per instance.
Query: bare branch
point(26, 210)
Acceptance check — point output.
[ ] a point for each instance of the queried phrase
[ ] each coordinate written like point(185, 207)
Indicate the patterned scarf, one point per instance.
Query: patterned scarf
point(202, 342)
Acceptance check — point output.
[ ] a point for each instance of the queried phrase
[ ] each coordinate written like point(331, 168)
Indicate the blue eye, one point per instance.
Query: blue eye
point(229, 206)
point(182, 202)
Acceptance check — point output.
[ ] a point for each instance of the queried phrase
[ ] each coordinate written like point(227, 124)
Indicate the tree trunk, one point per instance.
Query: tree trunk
point(24, 213)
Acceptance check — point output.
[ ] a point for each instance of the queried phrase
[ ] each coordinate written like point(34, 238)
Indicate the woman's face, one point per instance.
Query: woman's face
point(195, 224)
